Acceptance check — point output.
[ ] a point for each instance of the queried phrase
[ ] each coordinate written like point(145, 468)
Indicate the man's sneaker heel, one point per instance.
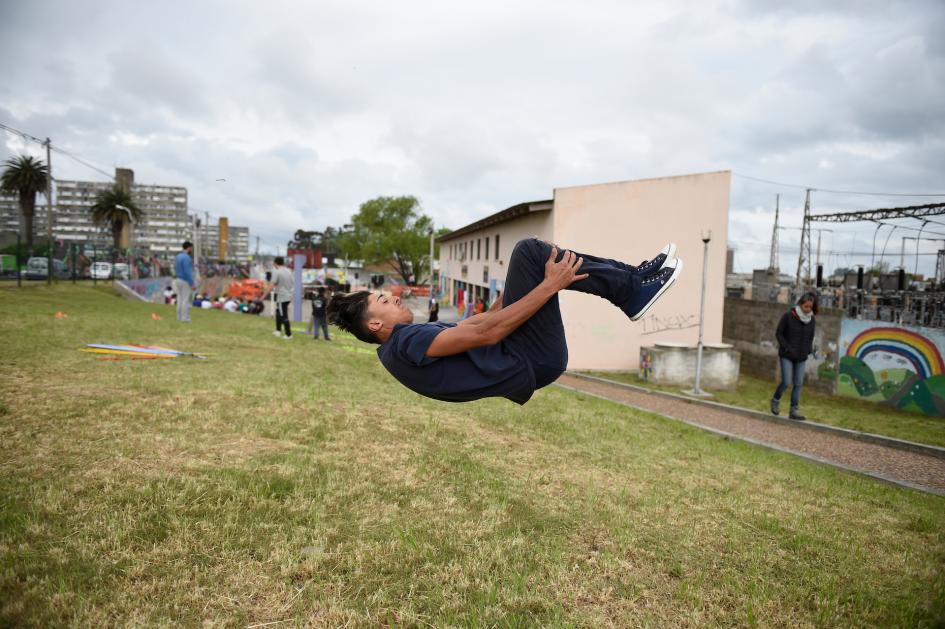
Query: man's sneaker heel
point(652, 288)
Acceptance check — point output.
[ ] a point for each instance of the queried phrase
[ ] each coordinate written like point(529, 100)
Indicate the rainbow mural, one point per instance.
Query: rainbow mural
point(901, 366)
point(921, 353)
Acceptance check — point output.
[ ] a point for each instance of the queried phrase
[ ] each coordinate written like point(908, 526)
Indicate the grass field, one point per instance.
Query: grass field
point(297, 483)
point(880, 419)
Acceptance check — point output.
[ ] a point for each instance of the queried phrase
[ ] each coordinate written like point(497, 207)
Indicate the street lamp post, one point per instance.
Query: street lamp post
point(697, 388)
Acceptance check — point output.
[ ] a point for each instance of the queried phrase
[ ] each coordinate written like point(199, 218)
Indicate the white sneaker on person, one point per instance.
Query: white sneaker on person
point(277, 333)
point(287, 338)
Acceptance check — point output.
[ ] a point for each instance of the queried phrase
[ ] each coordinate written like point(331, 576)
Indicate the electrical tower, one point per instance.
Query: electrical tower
point(803, 259)
point(773, 263)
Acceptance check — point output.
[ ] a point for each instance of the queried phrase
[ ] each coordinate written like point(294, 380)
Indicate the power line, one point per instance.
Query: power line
point(22, 134)
point(828, 190)
point(82, 161)
point(33, 138)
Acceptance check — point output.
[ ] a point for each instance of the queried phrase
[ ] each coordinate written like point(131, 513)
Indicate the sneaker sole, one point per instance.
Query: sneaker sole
point(669, 282)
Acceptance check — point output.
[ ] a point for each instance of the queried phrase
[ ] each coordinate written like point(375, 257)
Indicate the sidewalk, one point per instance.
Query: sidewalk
point(901, 465)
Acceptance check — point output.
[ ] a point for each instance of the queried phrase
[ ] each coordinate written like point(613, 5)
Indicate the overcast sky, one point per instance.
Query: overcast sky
point(308, 109)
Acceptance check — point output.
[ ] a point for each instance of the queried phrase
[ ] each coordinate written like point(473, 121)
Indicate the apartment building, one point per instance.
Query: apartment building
point(165, 225)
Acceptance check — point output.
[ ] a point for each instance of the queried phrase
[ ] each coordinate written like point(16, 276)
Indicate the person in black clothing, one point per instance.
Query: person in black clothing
point(320, 314)
point(434, 311)
point(795, 336)
point(513, 349)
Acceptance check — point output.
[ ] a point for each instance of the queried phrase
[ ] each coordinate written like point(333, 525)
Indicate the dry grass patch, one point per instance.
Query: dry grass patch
point(297, 482)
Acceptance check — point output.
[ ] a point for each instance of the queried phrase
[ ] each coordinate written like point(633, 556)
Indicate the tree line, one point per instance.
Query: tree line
point(385, 230)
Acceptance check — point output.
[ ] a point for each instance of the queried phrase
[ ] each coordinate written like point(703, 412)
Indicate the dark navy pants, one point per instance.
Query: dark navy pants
point(541, 339)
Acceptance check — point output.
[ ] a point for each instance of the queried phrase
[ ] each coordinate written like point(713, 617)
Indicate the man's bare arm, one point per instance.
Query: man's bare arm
point(478, 319)
point(495, 326)
point(497, 304)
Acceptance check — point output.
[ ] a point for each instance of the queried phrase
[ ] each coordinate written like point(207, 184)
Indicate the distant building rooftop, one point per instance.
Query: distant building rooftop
point(500, 217)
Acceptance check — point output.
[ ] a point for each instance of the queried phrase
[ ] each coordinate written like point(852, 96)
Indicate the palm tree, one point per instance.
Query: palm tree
point(24, 176)
point(114, 207)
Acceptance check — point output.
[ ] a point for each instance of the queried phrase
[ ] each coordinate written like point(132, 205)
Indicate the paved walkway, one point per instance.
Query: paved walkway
point(913, 469)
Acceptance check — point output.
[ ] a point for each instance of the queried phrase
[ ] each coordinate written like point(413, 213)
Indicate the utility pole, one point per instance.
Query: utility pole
point(774, 262)
point(49, 210)
point(256, 255)
point(917, 240)
point(197, 243)
point(803, 260)
point(431, 262)
point(820, 233)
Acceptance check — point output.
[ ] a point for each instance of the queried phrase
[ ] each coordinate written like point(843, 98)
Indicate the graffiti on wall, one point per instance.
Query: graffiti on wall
point(150, 289)
point(899, 365)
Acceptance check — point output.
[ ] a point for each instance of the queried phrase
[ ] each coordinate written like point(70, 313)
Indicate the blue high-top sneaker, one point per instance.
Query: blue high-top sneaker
point(651, 288)
point(648, 267)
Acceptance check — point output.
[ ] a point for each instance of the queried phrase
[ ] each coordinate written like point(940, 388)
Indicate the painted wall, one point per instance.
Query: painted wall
point(750, 326)
point(899, 365)
point(631, 221)
point(151, 289)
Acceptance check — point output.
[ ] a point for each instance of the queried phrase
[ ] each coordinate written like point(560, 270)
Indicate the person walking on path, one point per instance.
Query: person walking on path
point(282, 286)
point(434, 310)
point(795, 334)
point(320, 314)
point(509, 351)
point(184, 280)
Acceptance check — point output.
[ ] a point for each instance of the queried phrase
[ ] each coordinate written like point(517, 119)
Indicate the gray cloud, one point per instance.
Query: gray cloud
point(308, 110)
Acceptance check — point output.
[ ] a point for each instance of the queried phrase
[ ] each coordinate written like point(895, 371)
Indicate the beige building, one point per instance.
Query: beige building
point(629, 221)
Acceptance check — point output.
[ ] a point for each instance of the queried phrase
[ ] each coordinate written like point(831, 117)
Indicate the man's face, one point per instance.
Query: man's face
point(386, 312)
point(190, 250)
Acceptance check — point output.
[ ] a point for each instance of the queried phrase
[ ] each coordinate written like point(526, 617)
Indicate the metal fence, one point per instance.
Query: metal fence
point(95, 261)
point(905, 307)
point(62, 260)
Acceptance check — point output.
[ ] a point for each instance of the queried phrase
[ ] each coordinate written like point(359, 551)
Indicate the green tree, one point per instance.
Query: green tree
point(108, 210)
point(303, 240)
point(391, 230)
point(24, 176)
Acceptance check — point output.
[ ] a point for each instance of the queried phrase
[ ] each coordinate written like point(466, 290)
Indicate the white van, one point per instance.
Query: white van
point(101, 270)
point(121, 271)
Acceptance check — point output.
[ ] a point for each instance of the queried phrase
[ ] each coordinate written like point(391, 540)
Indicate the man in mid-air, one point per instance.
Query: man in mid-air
point(516, 347)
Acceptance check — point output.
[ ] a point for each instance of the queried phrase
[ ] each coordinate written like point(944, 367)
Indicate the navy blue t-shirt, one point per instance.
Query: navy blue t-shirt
point(490, 371)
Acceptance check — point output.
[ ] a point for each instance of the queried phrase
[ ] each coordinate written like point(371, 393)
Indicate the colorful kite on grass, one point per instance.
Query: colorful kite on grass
point(137, 352)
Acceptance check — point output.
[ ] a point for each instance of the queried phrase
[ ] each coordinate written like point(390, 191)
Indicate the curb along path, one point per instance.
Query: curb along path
point(910, 469)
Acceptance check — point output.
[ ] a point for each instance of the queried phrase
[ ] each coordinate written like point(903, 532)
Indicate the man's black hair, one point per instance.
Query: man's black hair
point(279, 260)
point(349, 312)
point(186, 244)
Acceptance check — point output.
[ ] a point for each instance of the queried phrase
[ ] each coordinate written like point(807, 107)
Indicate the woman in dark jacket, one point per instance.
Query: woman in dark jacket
point(795, 336)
